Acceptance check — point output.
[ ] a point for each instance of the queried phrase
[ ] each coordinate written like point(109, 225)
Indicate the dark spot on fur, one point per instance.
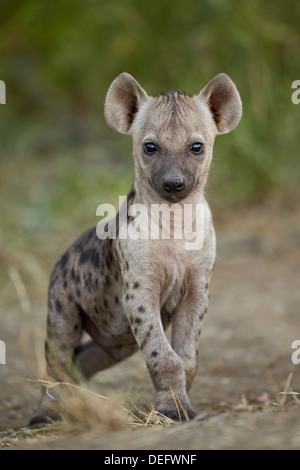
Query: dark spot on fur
point(73, 274)
point(63, 260)
point(65, 284)
point(91, 255)
point(130, 218)
point(107, 281)
point(138, 320)
point(70, 298)
point(206, 286)
point(107, 261)
point(127, 297)
point(141, 309)
point(131, 195)
point(135, 330)
point(105, 303)
point(78, 247)
point(65, 273)
point(76, 326)
point(136, 285)
point(58, 306)
point(52, 281)
point(116, 300)
point(148, 334)
point(89, 235)
point(78, 293)
point(154, 353)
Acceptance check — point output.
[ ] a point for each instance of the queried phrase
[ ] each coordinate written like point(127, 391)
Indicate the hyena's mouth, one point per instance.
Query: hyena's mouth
point(172, 191)
point(173, 196)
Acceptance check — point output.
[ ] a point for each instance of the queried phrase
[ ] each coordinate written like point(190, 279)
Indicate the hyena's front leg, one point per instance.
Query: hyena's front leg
point(186, 325)
point(166, 368)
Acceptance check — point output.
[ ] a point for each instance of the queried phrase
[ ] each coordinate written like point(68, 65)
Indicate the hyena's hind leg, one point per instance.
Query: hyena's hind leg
point(64, 331)
point(90, 358)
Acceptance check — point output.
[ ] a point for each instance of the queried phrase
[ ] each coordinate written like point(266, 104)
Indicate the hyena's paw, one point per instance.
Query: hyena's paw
point(43, 419)
point(46, 412)
point(178, 414)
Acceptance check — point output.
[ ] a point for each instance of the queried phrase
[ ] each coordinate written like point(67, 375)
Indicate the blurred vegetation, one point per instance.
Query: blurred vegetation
point(58, 159)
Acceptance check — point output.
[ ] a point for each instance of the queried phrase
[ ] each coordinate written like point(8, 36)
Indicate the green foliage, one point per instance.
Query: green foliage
point(58, 59)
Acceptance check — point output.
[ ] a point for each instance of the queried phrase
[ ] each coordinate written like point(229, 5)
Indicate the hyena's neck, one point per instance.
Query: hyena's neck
point(154, 215)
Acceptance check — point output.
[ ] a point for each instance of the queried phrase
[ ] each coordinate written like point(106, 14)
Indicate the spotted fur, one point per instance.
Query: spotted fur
point(124, 293)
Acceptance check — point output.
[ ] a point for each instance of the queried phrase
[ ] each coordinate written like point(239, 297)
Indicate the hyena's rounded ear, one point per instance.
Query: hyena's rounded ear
point(223, 101)
point(123, 99)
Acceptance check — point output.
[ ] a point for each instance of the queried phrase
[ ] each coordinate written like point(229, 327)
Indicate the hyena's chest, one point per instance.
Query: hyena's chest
point(124, 273)
point(175, 283)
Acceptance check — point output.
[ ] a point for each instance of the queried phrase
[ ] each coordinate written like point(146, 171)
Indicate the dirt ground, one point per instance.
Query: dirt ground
point(244, 356)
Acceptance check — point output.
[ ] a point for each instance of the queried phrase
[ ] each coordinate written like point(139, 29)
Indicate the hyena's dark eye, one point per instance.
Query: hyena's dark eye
point(196, 148)
point(150, 148)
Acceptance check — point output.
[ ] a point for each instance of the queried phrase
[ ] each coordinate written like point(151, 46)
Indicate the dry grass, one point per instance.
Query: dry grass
point(264, 400)
point(84, 410)
point(12, 437)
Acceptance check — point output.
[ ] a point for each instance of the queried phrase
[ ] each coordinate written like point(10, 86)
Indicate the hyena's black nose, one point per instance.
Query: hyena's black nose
point(174, 183)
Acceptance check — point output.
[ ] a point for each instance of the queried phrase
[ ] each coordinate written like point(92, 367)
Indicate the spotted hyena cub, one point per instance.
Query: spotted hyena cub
point(124, 291)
